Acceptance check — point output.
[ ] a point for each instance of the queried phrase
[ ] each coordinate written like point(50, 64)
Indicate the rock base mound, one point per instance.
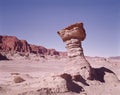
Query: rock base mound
point(62, 84)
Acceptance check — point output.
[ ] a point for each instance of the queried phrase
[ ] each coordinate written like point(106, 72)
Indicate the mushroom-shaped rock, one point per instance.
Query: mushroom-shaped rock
point(74, 31)
point(72, 36)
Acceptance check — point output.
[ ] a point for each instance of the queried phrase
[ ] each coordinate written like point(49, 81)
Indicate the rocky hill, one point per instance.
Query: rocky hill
point(13, 44)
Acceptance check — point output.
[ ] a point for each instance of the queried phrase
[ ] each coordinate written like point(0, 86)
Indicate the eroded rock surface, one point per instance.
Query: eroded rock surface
point(12, 44)
point(72, 36)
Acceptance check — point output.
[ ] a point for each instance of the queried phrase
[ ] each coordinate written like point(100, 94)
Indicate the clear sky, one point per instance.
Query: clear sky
point(38, 21)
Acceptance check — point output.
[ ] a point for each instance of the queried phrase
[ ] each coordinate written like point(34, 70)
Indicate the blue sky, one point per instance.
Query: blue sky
point(38, 21)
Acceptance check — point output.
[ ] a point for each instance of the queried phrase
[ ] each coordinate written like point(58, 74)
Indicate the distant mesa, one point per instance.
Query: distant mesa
point(13, 44)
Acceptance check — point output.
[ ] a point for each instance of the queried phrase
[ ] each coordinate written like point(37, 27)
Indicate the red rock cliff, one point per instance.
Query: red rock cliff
point(12, 43)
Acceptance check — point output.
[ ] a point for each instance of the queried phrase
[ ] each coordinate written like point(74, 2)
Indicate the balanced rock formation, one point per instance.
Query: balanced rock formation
point(72, 36)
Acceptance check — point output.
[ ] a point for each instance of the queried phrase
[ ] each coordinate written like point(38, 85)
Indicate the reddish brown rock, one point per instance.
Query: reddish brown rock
point(52, 52)
point(37, 49)
point(75, 31)
point(12, 43)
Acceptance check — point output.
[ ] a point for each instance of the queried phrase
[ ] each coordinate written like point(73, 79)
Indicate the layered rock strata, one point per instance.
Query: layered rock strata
point(13, 44)
point(73, 35)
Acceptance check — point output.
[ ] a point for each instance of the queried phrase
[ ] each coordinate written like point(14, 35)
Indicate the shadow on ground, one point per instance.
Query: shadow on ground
point(99, 73)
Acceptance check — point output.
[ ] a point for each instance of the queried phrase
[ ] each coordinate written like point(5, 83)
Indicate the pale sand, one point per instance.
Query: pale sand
point(33, 71)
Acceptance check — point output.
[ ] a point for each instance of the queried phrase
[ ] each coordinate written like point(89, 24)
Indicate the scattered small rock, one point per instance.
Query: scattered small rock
point(18, 79)
point(15, 74)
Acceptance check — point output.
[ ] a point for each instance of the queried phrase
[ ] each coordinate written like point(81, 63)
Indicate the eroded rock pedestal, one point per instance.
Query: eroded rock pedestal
point(73, 35)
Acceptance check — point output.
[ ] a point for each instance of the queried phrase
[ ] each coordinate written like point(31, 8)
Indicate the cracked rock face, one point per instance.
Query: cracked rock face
point(73, 35)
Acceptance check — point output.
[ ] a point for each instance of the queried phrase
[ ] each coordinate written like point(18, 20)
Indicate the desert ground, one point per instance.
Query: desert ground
point(37, 75)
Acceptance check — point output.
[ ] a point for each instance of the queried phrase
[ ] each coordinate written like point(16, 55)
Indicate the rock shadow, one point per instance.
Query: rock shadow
point(79, 78)
point(3, 57)
point(99, 73)
point(72, 86)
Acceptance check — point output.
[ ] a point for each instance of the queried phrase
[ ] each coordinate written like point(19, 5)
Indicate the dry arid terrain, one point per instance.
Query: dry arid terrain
point(41, 76)
point(27, 69)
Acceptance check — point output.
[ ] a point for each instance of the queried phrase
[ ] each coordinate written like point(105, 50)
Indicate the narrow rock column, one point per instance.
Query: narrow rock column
point(72, 36)
point(74, 48)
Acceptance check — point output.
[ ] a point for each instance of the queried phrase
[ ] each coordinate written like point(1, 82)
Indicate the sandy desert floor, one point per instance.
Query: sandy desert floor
point(32, 71)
